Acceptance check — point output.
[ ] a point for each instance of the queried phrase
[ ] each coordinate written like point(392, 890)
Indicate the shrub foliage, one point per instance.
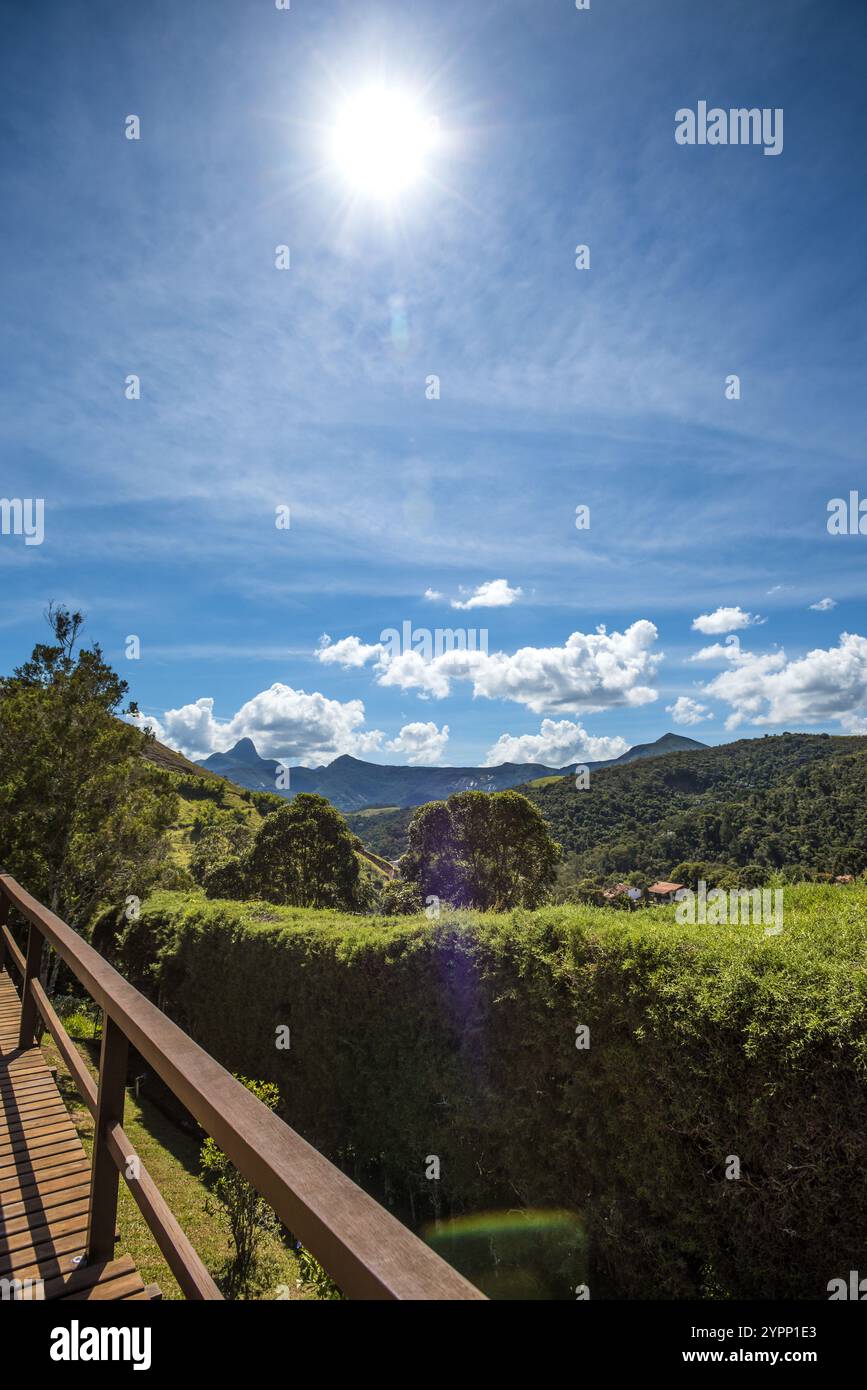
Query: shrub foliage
point(457, 1038)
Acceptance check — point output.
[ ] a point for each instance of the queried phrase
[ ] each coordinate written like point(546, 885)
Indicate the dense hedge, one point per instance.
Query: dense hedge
point(457, 1038)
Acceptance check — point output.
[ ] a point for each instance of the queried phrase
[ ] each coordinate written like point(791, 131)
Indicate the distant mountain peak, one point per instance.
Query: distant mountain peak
point(352, 784)
point(245, 751)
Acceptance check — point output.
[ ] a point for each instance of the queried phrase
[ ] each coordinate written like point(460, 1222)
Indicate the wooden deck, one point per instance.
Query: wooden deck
point(45, 1183)
point(56, 1208)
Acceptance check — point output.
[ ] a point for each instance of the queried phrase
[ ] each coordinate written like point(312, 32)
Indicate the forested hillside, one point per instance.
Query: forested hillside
point(791, 802)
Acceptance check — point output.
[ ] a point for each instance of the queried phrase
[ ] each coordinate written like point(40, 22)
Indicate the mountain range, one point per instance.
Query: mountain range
point(351, 784)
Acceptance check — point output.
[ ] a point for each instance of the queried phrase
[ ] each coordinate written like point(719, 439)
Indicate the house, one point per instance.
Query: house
point(664, 892)
point(845, 878)
point(609, 894)
point(621, 891)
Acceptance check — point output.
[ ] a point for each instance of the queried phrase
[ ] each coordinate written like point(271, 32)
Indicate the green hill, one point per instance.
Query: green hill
point(792, 802)
point(197, 787)
point(788, 802)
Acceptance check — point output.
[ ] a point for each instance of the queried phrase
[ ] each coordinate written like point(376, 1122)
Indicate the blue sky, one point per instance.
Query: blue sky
point(307, 387)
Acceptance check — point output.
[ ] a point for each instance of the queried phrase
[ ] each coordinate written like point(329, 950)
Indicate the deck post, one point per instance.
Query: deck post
point(109, 1111)
point(29, 1011)
point(4, 919)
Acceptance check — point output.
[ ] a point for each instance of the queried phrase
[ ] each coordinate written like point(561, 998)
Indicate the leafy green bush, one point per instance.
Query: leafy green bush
point(457, 1038)
point(250, 1219)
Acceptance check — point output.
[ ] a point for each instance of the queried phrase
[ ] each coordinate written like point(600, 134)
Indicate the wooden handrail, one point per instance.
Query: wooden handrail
point(193, 1278)
point(181, 1257)
point(8, 940)
point(366, 1250)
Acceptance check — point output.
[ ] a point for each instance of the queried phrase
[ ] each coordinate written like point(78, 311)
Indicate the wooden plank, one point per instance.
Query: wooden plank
point(86, 1276)
point(13, 1080)
point(32, 1157)
point(26, 1091)
point(50, 1268)
point(14, 1136)
point(42, 1201)
point(43, 1139)
point(12, 1098)
point(44, 1234)
point(125, 1286)
point(54, 1255)
point(37, 1139)
point(31, 1169)
point(56, 1181)
point(20, 1115)
point(29, 1219)
point(15, 1075)
point(40, 1115)
point(16, 1116)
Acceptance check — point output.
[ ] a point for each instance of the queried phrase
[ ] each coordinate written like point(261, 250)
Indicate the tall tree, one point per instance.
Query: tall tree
point(304, 854)
point(482, 850)
point(83, 816)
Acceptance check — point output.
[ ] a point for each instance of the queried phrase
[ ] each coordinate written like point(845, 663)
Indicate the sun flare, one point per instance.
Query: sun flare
point(381, 142)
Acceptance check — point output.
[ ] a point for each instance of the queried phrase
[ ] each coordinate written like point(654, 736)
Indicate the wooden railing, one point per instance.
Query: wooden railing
point(367, 1252)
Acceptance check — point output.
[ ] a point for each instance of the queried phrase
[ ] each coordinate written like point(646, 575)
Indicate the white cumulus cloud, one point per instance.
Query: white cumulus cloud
point(420, 744)
point(724, 620)
point(731, 650)
point(823, 605)
point(687, 711)
point(825, 684)
point(350, 651)
point(283, 723)
point(591, 672)
point(558, 743)
point(495, 593)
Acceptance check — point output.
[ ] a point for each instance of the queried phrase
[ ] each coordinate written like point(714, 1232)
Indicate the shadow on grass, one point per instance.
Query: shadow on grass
point(166, 1122)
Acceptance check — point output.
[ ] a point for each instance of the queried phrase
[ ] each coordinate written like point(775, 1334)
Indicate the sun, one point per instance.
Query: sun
point(381, 142)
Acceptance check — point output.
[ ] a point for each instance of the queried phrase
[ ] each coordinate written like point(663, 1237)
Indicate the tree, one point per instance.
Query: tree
point(482, 850)
point(220, 839)
point(83, 816)
point(304, 854)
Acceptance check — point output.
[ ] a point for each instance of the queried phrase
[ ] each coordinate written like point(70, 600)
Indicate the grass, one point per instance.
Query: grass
point(171, 1156)
point(225, 799)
